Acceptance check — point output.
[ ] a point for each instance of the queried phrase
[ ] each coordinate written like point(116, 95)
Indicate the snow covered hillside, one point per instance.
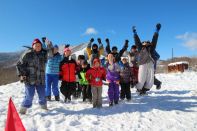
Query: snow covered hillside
point(173, 108)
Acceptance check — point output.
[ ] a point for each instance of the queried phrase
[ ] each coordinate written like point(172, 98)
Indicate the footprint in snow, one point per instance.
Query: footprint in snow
point(47, 124)
point(74, 123)
point(95, 123)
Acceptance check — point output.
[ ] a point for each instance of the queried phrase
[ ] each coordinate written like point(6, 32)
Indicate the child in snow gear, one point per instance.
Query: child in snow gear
point(52, 74)
point(125, 79)
point(94, 51)
point(114, 51)
point(113, 78)
point(86, 88)
point(78, 90)
point(67, 75)
point(146, 61)
point(133, 62)
point(31, 70)
point(95, 75)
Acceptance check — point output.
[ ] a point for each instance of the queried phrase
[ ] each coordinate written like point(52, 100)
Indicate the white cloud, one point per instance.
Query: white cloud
point(90, 31)
point(189, 40)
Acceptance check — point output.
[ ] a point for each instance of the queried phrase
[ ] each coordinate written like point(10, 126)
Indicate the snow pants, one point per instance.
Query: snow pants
point(113, 92)
point(146, 76)
point(86, 91)
point(97, 96)
point(29, 95)
point(125, 91)
point(52, 82)
point(67, 88)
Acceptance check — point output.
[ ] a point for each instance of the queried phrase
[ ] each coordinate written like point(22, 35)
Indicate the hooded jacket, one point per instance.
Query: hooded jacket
point(95, 75)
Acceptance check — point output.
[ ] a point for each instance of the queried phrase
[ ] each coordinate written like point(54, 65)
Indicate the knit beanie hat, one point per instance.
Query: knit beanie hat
point(36, 41)
point(96, 60)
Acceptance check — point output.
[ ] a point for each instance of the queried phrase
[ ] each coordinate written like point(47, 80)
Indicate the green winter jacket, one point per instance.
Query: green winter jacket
point(82, 75)
point(83, 80)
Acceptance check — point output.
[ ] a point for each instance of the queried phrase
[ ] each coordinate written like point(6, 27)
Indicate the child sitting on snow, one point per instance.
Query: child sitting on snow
point(95, 75)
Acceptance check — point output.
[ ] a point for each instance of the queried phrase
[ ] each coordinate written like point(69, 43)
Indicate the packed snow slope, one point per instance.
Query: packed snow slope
point(172, 108)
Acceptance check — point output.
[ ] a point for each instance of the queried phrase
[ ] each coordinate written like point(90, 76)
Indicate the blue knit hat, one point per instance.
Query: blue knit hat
point(56, 46)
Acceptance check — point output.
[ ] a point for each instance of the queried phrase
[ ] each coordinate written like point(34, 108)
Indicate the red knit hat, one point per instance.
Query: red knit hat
point(96, 60)
point(36, 41)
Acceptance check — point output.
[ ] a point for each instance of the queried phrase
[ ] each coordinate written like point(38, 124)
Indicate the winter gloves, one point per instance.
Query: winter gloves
point(43, 39)
point(134, 30)
point(158, 27)
point(126, 44)
point(99, 40)
point(22, 79)
point(92, 40)
point(107, 41)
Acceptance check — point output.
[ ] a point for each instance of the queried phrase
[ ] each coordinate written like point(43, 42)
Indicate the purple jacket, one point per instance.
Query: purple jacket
point(113, 72)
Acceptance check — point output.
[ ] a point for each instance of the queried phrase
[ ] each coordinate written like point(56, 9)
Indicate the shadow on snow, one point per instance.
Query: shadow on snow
point(167, 102)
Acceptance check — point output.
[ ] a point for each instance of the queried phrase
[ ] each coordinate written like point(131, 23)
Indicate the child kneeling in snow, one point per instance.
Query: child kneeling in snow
point(113, 78)
point(95, 75)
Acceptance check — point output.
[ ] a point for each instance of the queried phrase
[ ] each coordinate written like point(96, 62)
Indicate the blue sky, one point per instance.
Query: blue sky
point(76, 21)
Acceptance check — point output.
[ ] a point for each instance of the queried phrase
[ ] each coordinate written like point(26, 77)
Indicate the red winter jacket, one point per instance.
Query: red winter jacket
point(95, 76)
point(68, 70)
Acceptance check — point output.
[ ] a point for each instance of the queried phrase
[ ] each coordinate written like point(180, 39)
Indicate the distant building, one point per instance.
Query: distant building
point(178, 66)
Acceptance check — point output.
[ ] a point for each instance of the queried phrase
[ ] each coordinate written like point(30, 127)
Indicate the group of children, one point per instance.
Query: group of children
point(120, 71)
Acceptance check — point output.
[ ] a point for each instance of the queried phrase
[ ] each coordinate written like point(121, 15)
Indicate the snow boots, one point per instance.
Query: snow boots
point(44, 107)
point(158, 86)
point(111, 103)
point(23, 110)
point(48, 98)
point(142, 91)
point(57, 98)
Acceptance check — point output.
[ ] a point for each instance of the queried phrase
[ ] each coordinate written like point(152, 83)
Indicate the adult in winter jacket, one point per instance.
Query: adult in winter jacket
point(113, 78)
point(52, 74)
point(83, 82)
point(94, 51)
point(95, 75)
point(125, 79)
point(117, 55)
point(67, 75)
point(146, 60)
point(31, 70)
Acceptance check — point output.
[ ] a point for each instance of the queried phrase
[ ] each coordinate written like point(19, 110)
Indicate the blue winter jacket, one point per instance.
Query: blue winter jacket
point(53, 63)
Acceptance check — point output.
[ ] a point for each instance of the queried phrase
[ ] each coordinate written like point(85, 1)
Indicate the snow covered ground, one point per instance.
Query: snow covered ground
point(173, 108)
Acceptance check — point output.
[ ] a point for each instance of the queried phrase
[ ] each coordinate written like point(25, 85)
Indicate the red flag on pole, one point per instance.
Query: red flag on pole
point(13, 122)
